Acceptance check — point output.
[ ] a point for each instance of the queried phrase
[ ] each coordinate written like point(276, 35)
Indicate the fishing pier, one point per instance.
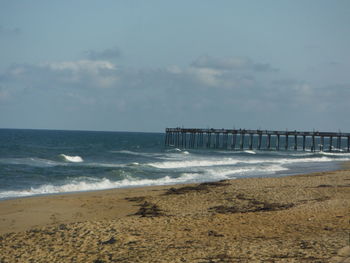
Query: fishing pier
point(242, 139)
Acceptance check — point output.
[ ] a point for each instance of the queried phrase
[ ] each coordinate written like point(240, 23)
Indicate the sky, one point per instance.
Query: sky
point(114, 65)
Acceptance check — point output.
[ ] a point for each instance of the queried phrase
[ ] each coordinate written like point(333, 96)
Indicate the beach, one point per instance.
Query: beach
point(300, 218)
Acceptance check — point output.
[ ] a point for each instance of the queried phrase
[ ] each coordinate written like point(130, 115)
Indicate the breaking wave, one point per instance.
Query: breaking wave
point(238, 161)
point(30, 161)
point(72, 159)
point(98, 184)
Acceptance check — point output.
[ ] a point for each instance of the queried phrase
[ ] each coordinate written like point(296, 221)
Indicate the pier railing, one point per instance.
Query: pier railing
point(240, 139)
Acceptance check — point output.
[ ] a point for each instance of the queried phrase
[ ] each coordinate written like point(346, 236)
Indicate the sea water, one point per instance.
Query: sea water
point(35, 162)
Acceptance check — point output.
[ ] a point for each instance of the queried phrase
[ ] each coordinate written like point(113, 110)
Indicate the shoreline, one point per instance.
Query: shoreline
point(340, 166)
point(294, 218)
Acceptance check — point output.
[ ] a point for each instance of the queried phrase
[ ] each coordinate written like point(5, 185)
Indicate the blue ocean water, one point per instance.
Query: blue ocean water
point(34, 162)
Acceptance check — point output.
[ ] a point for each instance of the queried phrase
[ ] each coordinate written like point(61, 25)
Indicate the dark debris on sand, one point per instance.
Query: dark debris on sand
point(135, 199)
point(252, 205)
point(198, 188)
point(148, 209)
point(108, 242)
point(224, 258)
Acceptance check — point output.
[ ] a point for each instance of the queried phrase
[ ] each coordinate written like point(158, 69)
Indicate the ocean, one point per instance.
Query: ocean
point(37, 162)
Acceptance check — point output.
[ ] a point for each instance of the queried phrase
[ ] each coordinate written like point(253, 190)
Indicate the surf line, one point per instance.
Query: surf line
point(238, 139)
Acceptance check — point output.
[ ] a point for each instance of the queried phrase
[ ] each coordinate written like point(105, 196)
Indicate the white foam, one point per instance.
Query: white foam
point(98, 184)
point(193, 163)
point(73, 159)
point(145, 154)
point(227, 172)
point(36, 162)
point(309, 160)
point(128, 152)
point(250, 152)
point(207, 162)
point(339, 154)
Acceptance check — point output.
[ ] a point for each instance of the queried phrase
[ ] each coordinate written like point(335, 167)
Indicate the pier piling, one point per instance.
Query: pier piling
point(228, 138)
point(268, 141)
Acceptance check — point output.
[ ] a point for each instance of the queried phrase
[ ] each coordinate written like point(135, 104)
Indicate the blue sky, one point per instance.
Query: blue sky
point(147, 65)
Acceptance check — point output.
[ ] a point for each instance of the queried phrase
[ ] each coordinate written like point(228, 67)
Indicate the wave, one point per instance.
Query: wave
point(188, 163)
point(72, 159)
point(30, 161)
point(92, 184)
point(129, 152)
point(192, 163)
point(338, 154)
point(143, 154)
point(310, 160)
point(177, 150)
point(227, 172)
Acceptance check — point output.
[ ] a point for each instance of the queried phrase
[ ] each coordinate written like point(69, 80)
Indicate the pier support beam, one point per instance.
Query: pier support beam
point(184, 140)
point(233, 141)
point(330, 143)
point(304, 138)
point(225, 140)
point(295, 142)
point(242, 141)
point(172, 138)
point(251, 141)
point(313, 143)
point(259, 141)
point(208, 139)
point(217, 140)
point(192, 139)
point(201, 140)
point(322, 144)
point(268, 142)
point(286, 144)
point(348, 143)
point(278, 142)
point(167, 136)
point(339, 143)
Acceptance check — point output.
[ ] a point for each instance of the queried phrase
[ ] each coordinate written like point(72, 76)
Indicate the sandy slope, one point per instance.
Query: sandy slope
point(301, 218)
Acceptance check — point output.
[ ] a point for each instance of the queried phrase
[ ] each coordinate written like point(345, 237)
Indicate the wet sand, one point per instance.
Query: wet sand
point(303, 218)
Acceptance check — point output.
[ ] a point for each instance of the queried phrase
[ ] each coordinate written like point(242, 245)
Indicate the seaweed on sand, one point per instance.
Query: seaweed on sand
point(197, 188)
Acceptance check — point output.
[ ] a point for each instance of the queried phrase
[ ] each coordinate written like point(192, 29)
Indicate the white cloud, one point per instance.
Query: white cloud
point(195, 92)
point(174, 69)
point(91, 73)
point(228, 63)
point(231, 63)
point(206, 76)
point(89, 66)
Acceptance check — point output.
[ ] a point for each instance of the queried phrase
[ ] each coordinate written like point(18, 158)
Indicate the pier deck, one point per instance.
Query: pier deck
point(240, 139)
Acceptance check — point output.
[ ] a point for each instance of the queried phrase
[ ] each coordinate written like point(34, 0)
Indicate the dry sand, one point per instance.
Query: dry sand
point(302, 218)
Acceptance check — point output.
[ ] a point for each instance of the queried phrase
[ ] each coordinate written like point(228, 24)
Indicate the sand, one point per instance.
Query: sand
point(302, 218)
